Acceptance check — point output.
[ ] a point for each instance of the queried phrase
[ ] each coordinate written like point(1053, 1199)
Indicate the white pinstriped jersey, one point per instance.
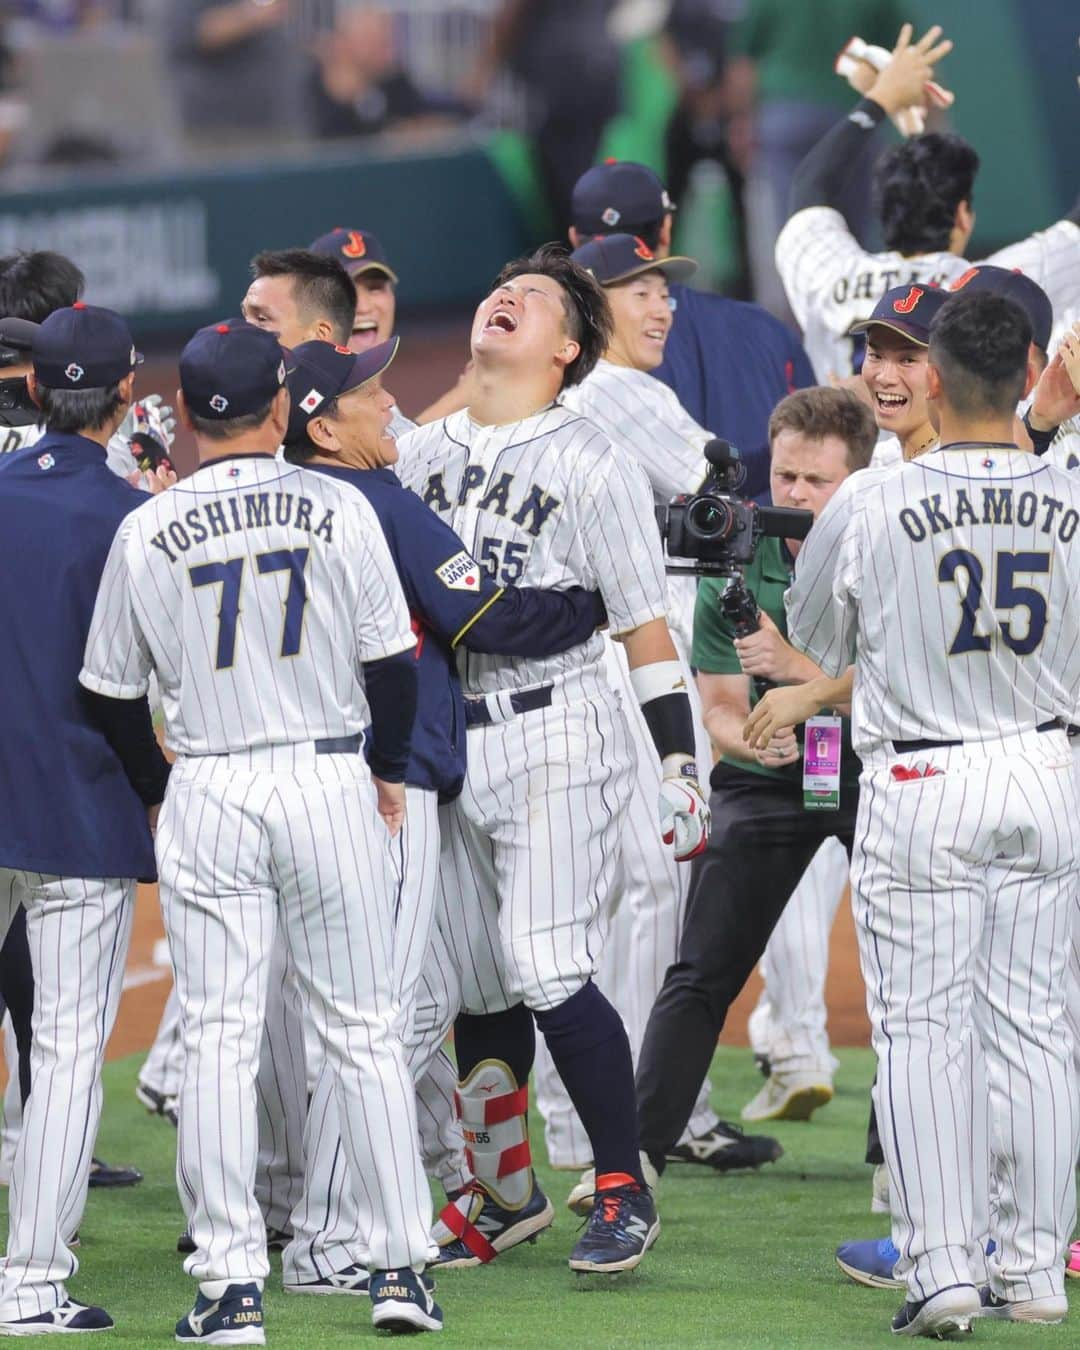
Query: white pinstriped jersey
point(549, 502)
point(639, 413)
point(832, 281)
point(955, 589)
point(256, 590)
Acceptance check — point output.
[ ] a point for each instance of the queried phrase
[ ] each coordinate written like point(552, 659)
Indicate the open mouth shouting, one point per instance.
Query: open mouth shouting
point(501, 321)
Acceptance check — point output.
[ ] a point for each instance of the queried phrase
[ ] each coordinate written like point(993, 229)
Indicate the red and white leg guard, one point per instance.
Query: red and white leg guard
point(493, 1111)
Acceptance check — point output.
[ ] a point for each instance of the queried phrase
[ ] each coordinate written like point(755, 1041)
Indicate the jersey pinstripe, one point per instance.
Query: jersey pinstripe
point(544, 502)
point(955, 589)
point(832, 281)
point(240, 586)
point(640, 414)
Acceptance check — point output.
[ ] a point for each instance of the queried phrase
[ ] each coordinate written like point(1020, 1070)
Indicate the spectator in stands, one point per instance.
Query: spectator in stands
point(359, 87)
point(240, 73)
point(790, 51)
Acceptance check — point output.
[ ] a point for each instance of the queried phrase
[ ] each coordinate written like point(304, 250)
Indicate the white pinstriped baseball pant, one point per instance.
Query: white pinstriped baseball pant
point(79, 932)
point(247, 842)
point(965, 895)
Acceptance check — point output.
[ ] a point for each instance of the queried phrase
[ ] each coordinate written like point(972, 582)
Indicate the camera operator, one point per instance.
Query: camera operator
point(766, 828)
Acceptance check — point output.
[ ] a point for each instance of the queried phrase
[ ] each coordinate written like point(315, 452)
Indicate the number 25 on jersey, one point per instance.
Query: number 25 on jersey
point(1021, 638)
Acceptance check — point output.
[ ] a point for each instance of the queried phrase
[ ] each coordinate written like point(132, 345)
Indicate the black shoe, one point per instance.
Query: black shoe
point(725, 1148)
point(236, 1318)
point(67, 1319)
point(949, 1312)
point(101, 1174)
point(158, 1104)
point(401, 1301)
point(487, 1228)
point(276, 1240)
point(621, 1229)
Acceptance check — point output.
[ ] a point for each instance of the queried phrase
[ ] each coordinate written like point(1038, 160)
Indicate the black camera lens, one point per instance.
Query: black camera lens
point(710, 518)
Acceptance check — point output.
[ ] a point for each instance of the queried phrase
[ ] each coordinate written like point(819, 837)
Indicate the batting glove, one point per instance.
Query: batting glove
point(684, 808)
point(150, 417)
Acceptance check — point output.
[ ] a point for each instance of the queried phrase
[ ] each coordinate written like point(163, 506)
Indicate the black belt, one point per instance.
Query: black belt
point(478, 714)
point(340, 745)
point(907, 747)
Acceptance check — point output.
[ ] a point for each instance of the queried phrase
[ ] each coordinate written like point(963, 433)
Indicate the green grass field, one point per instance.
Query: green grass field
point(745, 1260)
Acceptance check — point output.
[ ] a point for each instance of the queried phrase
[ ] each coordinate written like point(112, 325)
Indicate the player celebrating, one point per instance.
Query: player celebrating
point(280, 591)
point(964, 758)
point(925, 188)
point(530, 847)
point(364, 259)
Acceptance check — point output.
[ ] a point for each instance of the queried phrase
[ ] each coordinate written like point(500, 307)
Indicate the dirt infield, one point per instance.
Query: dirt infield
point(147, 986)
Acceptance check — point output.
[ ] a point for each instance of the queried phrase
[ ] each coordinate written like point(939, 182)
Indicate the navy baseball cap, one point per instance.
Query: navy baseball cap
point(83, 347)
point(617, 257)
point(907, 310)
point(1013, 285)
point(616, 195)
point(322, 372)
point(231, 369)
point(356, 250)
point(18, 334)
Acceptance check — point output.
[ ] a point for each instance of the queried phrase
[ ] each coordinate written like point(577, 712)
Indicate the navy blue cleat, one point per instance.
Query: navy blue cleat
point(475, 1228)
point(947, 1313)
point(622, 1227)
point(67, 1319)
point(236, 1318)
point(870, 1262)
point(402, 1303)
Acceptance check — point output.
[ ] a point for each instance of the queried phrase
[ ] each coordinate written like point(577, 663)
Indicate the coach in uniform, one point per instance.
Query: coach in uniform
point(289, 634)
point(74, 832)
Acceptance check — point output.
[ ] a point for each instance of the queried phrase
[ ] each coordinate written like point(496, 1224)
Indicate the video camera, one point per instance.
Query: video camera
point(720, 532)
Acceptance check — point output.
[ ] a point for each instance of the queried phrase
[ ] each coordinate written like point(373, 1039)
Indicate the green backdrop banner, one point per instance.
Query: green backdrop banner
point(172, 252)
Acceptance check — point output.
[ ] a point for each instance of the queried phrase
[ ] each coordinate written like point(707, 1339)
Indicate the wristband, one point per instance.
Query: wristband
point(1040, 440)
point(660, 688)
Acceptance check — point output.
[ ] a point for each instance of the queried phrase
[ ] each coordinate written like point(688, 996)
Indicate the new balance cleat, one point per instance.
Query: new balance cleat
point(158, 1103)
point(351, 1280)
point(475, 1228)
point(949, 1312)
point(67, 1319)
point(726, 1148)
point(870, 1263)
point(1045, 1310)
point(236, 1318)
point(789, 1097)
point(401, 1302)
point(580, 1200)
point(622, 1227)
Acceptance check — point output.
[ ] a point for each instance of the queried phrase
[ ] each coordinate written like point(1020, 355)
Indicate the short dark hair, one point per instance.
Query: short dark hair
point(918, 185)
point(34, 285)
point(820, 411)
point(588, 314)
point(321, 286)
point(979, 346)
point(74, 410)
point(225, 428)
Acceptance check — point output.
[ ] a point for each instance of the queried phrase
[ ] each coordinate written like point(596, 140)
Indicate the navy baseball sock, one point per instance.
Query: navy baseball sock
point(509, 1036)
point(589, 1046)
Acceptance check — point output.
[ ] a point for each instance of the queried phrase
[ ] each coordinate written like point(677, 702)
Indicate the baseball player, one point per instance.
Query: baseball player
point(364, 259)
point(73, 831)
point(728, 362)
point(925, 188)
point(339, 425)
point(959, 704)
point(288, 634)
point(530, 847)
point(643, 417)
